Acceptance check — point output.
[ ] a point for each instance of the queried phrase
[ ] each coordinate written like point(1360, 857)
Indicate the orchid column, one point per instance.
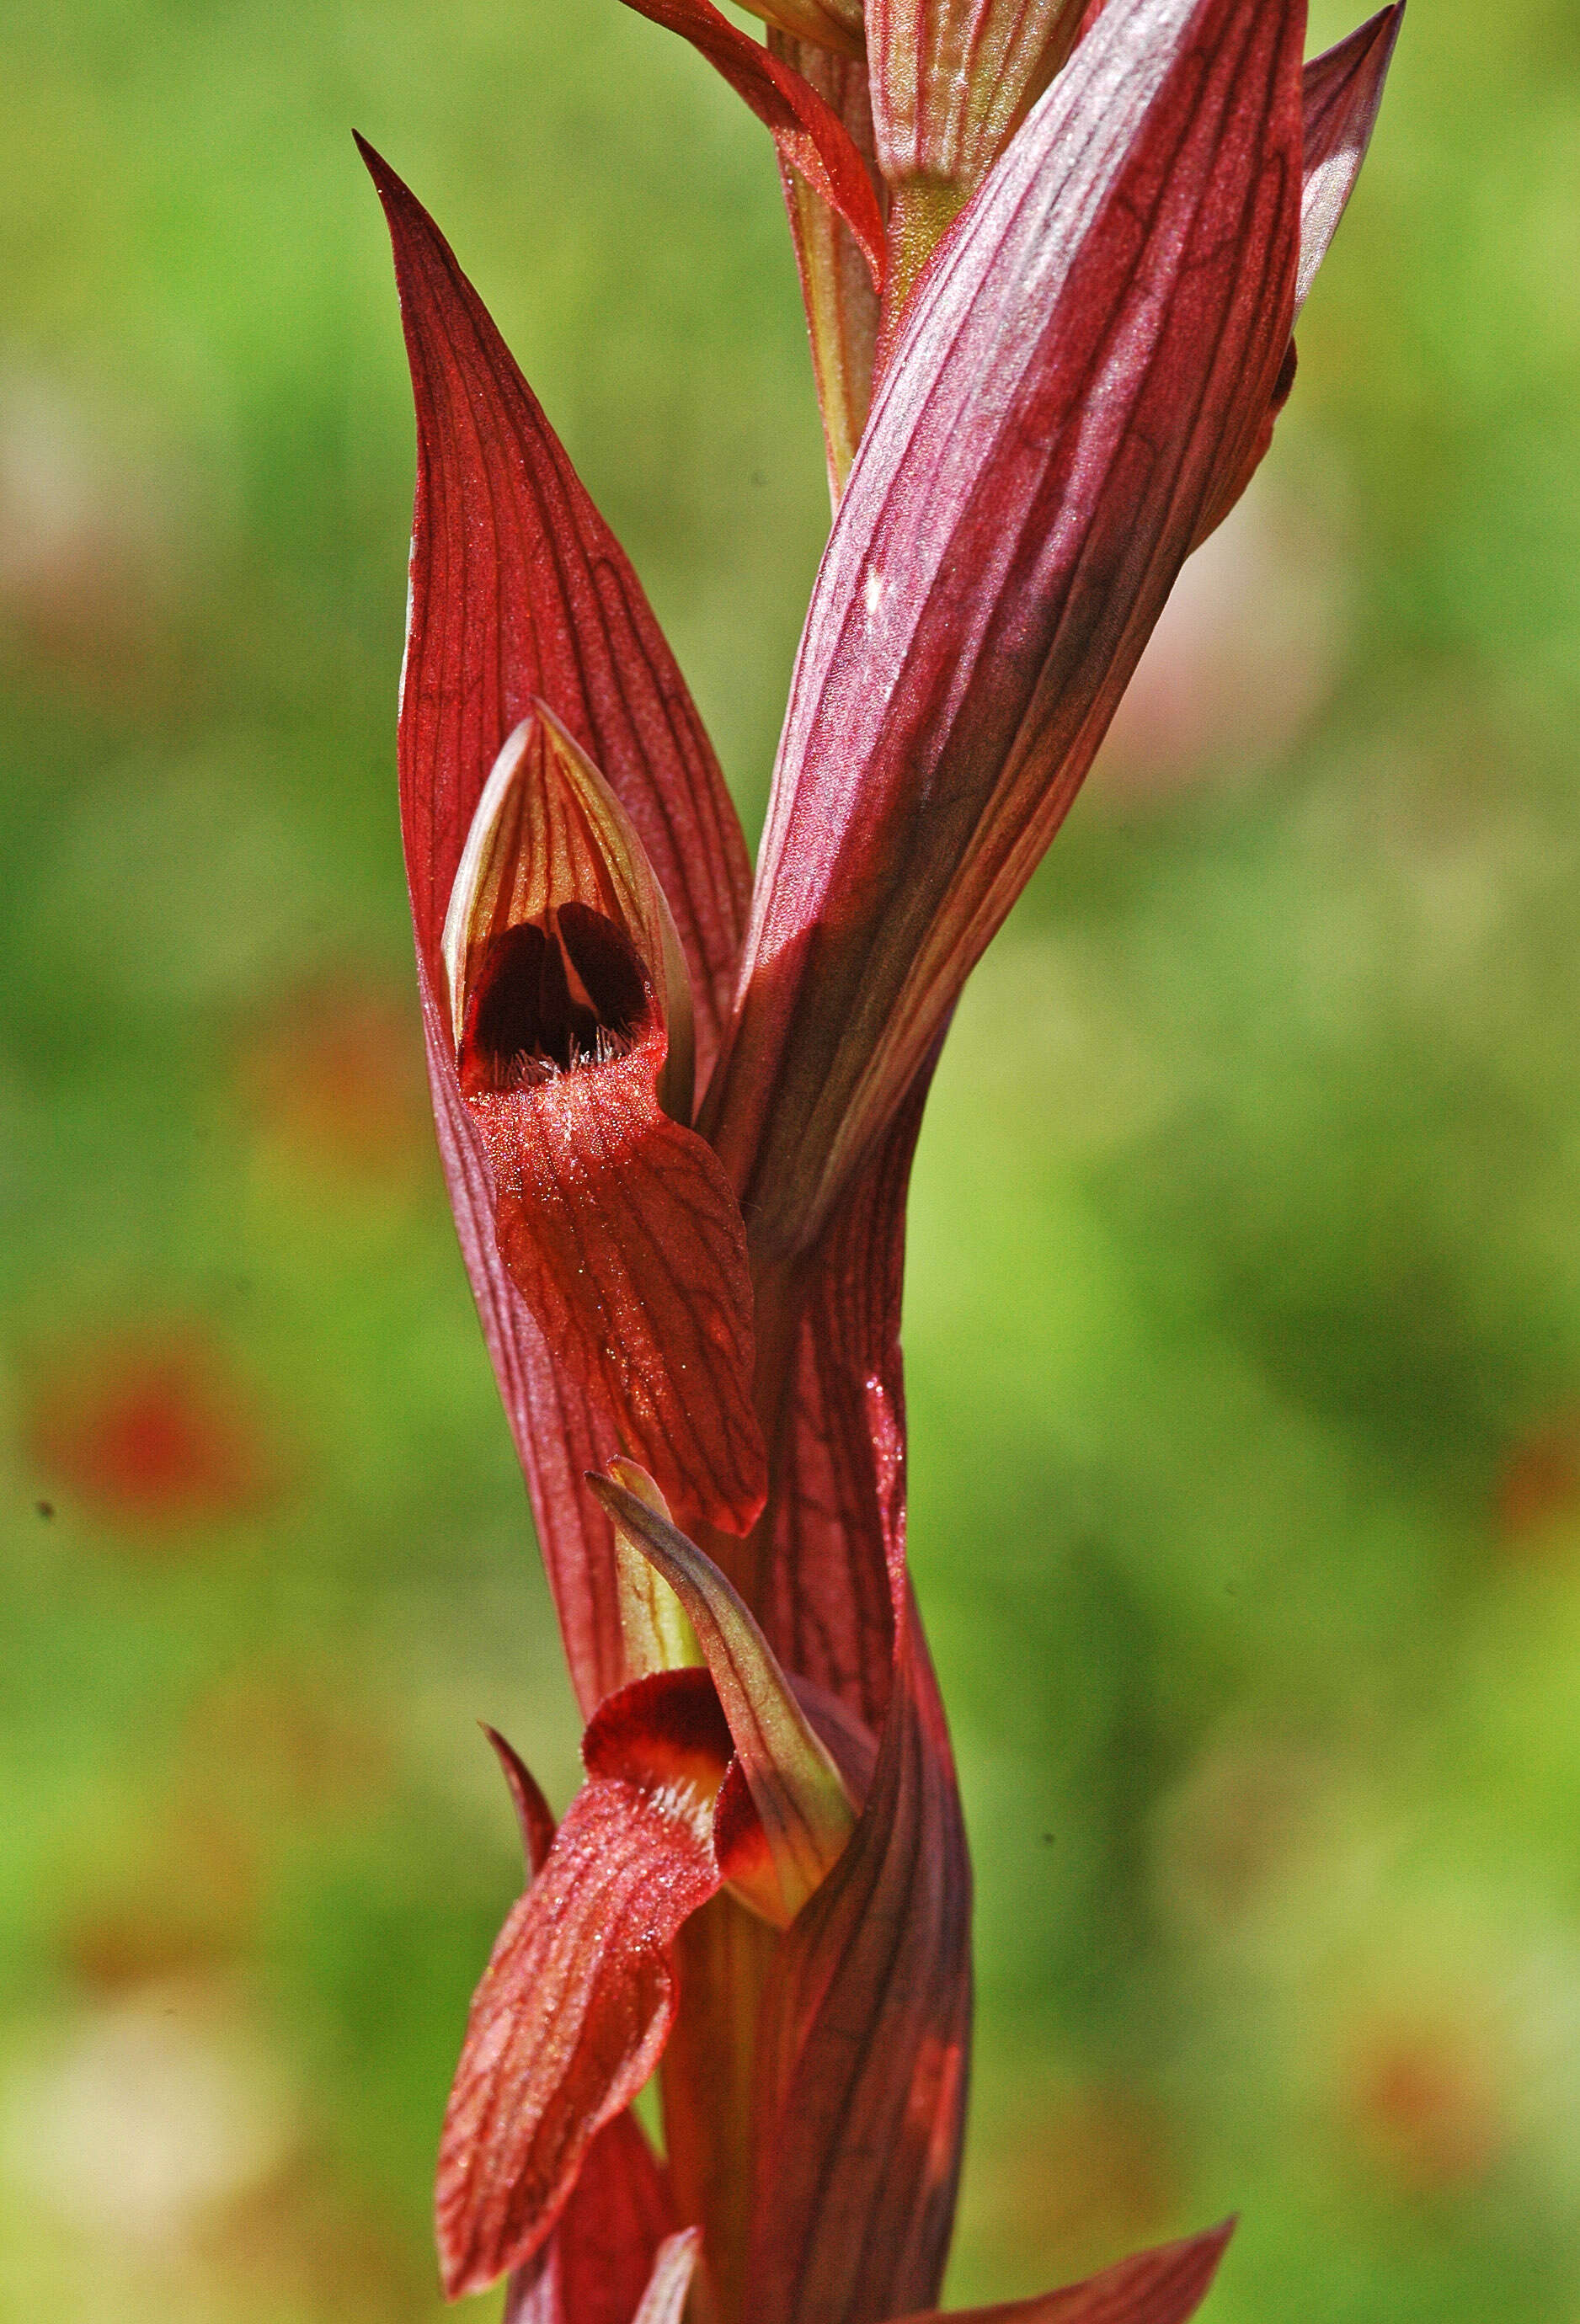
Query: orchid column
point(1052, 262)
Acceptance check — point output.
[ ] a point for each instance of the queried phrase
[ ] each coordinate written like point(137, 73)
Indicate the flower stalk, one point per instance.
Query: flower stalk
point(1052, 258)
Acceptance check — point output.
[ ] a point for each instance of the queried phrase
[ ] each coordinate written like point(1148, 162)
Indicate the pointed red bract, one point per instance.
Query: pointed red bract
point(576, 2002)
point(1165, 2286)
point(1090, 356)
point(809, 136)
point(534, 1817)
point(1341, 92)
point(519, 592)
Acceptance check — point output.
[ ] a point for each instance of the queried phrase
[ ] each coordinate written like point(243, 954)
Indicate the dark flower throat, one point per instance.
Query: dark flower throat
point(545, 1000)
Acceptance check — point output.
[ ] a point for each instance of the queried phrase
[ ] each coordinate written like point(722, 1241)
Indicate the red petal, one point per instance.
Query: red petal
point(1156, 2287)
point(666, 1730)
point(595, 2266)
point(619, 1230)
point(568, 2022)
point(811, 136)
point(1090, 356)
point(557, 1434)
point(1341, 92)
point(520, 590)
point(803, 1807)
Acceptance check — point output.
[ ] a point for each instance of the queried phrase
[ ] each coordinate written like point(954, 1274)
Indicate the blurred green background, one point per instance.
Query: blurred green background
point(1244, 1310)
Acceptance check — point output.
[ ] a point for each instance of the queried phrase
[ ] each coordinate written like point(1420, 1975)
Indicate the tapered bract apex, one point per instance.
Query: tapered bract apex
point(1341, 95)
point(534, 1817)
point(674, 2266)
point(809, 133)
point(1165, 2286)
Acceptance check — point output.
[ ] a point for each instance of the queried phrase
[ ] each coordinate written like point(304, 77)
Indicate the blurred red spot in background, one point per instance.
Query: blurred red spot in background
point(336, 1076)
point(1538, 1482)
point(150, 1433)
point(1424, 2104)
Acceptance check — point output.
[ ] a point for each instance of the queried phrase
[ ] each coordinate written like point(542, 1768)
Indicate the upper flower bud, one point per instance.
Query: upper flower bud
point(951, 81)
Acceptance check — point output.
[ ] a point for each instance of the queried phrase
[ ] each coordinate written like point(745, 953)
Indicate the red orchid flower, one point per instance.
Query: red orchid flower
point(1052, 259)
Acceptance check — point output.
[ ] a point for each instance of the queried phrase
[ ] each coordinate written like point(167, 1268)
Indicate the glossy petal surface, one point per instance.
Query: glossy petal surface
point(576, 2002)
point(1091, 356)
point(620, 1231)
point(520, 592)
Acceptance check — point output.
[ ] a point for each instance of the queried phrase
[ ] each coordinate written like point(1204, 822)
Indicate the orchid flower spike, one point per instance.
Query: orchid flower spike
point(1052, 255)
